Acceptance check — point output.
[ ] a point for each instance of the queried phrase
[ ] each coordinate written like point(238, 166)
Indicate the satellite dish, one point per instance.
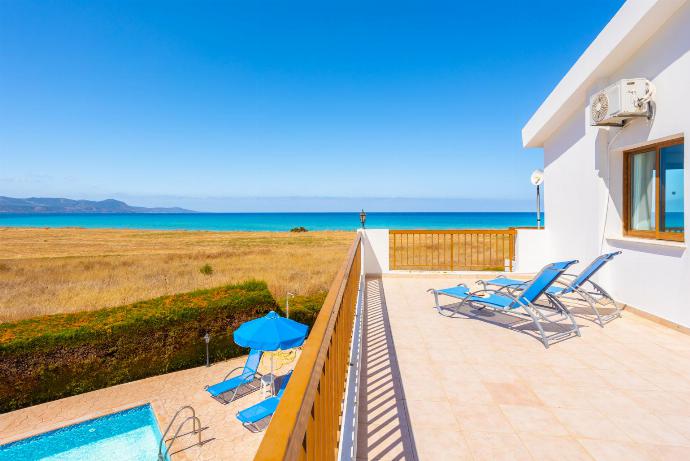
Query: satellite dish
point(537, 177)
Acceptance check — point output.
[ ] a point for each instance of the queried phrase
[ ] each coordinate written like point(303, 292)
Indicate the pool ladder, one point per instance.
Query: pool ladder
point(196, 429)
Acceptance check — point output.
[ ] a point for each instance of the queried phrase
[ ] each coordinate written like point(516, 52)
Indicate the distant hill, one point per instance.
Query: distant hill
point(64, 205)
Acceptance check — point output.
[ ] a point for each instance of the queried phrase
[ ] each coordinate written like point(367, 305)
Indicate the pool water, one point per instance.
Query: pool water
point(130, 435)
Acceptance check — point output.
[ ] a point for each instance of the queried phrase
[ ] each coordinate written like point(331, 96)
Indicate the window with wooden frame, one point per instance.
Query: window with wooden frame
point(653, 195)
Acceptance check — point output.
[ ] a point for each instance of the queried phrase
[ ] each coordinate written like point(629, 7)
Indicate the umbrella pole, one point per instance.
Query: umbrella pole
point(273, 377)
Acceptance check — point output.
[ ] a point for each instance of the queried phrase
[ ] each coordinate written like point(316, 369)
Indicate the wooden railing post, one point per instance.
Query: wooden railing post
point(395, 250)
point(451, 252)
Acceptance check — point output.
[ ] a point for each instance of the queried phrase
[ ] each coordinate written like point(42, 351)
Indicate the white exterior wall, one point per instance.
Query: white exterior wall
point(531, 250)
point(376, 250)
point(583, 178)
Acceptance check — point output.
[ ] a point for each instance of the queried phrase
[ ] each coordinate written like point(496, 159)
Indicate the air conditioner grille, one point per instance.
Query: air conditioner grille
point(600, 107)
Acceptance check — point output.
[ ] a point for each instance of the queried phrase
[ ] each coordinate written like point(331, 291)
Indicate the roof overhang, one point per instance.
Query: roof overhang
point(630, 28)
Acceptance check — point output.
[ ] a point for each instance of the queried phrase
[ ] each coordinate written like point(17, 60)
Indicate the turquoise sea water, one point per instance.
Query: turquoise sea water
point(130, 435)
point(273, 221)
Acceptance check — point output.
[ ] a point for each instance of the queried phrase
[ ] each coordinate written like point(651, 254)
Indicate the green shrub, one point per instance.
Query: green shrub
point(206, 269)
point(304, 308)
point(51, 357)
point(299, 229)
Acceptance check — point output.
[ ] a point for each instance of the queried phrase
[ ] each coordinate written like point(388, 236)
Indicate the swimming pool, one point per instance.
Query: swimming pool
point(130, 435)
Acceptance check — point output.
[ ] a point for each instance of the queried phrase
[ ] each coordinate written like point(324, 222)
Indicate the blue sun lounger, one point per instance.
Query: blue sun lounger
point(246, 382)
point(257, 417)
point(521, 304)
point(579, 288)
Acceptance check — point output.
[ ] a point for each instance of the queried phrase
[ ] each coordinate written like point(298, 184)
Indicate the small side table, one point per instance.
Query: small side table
point(266, 385)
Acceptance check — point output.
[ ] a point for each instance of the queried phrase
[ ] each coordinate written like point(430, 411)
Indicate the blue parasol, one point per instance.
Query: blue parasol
point(270, 333)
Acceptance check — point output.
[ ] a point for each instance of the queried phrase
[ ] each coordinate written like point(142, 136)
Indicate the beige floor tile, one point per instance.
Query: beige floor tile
point(650, 430)
point(606, 450)
point(497, 373)
point(534, 420)
point(626, 379)
point(468, 392)
point(668, 452)
point(424, 388)
point(589, 423)
point(551, 448)
point(584, 378)
point(539, 375)
point(666, 380)
point(614, 402)
point(515, 393)
point(481, 418)
point(679, 423)
point(562, 396)
point(457, 372)
point(660, 402)
point(490, 446)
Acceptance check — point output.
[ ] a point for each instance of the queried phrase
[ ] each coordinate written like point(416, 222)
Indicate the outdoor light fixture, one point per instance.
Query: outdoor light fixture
point(537, 179)
point(363, 218)
point(287, 304)
point(207, 339)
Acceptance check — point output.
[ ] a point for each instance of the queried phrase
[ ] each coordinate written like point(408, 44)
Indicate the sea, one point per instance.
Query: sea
point(275, 222)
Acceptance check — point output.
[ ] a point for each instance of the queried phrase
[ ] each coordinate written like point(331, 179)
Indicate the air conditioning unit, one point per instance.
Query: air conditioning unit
point(625, 99)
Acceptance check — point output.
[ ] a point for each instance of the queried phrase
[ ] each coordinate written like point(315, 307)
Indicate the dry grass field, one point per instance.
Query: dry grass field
point(45, 271)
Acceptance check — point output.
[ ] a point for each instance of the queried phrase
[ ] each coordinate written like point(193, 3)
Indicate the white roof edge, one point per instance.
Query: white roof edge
point(630, 28)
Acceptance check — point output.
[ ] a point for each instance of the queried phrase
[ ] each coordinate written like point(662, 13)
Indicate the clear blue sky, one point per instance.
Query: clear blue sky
point(164, 103)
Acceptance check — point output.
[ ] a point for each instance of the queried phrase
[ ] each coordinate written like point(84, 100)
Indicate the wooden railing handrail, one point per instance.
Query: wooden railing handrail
point(285, 434)
point(510, 230)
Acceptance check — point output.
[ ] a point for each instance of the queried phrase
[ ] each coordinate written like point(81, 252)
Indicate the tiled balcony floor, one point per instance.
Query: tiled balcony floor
point(463, 388)
point(166, 393)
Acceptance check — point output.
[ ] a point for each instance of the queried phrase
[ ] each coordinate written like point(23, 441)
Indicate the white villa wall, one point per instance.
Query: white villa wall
point(583, 177)
point(376, 251)
point(532, 250)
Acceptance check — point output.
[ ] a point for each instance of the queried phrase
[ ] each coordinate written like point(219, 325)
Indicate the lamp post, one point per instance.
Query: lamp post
point(363, 218)
point(207, 339)
point(537, 179)
point(287, 304)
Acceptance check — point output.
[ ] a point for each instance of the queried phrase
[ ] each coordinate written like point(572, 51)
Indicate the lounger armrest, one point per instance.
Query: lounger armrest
point(587, 280)
point(500, 293)
point(510, 289)
point(256, 373)
point(434, 290)
point(232, 371)
point(563, 284)
point(485, 283)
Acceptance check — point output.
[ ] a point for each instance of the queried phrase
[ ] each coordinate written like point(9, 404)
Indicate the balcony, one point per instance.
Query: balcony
point(418, 385)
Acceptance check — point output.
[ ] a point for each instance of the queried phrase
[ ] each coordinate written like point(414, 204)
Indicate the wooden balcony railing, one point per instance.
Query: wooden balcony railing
point(452, 250)
point(306, 424)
